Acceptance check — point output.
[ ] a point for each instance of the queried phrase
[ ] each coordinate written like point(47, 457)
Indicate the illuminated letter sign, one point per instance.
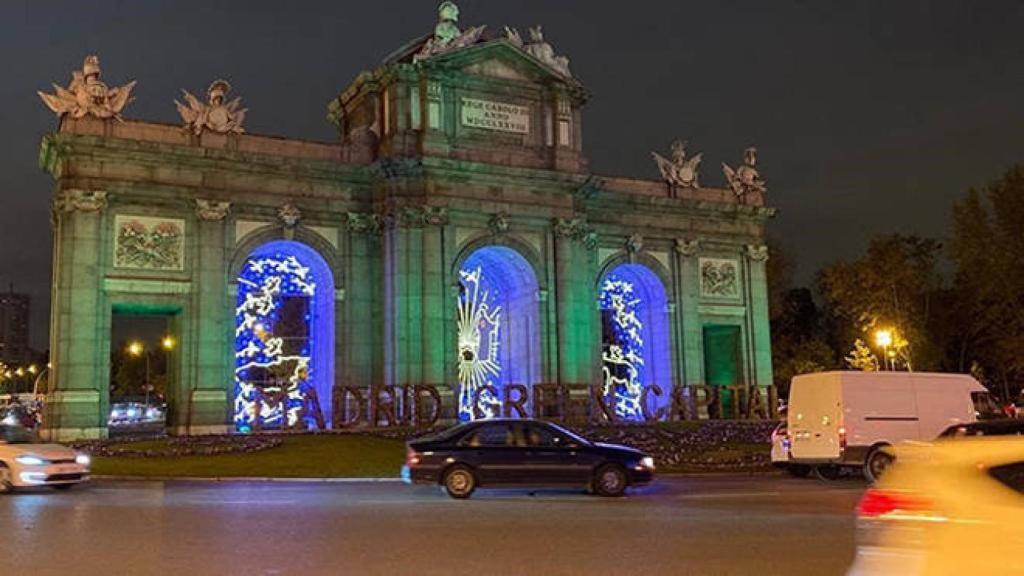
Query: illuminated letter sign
point(489, 115)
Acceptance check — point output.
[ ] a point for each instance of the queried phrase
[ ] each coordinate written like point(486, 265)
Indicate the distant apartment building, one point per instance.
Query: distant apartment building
point(14, 317)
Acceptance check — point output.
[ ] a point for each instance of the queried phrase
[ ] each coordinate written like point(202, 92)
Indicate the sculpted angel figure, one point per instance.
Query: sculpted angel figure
point(679, 171)
point(745, 180)
point(87, 94)
point(214, 114)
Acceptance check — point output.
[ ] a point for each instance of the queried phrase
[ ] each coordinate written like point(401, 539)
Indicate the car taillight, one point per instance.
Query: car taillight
point(876, 503)
point(412, 458)
point(842, 438)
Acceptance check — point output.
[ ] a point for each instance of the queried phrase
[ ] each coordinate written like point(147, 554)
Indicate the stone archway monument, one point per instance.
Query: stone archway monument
point(466, 143)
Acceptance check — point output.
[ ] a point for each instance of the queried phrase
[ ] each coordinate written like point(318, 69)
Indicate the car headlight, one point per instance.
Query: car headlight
point(30, 460)
point(647, 462)
point(83, 459)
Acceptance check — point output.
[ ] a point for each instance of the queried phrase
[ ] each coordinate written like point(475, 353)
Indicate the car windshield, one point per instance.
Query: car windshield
point(15, 435)
point(444, 434)
point(985, 407)
point(570, 434)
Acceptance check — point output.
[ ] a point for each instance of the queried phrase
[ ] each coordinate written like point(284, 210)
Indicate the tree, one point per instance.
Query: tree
point(862, 358)
point(891, 287)
point(987, 249)
point(798, 343)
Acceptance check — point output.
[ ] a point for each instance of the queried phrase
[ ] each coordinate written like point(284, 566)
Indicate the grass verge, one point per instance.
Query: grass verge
point(306, 456)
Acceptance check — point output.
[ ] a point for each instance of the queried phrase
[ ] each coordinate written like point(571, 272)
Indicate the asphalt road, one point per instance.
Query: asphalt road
point(709, 525)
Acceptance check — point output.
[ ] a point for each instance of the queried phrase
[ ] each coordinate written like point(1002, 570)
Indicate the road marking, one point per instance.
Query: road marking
point(726, 495)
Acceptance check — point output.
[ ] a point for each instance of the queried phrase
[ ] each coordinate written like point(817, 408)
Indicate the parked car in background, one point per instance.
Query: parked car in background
point(1007, 427)
point(780, 453)
point(25, 462)
point(852, 419)
point(947, 507)
point(502, 452)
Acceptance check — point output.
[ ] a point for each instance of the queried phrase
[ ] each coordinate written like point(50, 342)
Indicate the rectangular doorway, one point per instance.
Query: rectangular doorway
point(143, 371)
point(723, 349)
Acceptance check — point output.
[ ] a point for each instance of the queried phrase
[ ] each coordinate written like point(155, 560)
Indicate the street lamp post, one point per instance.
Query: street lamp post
point(137, 348)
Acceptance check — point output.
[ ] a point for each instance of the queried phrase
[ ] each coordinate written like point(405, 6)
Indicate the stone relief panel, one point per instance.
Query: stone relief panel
point(147, 243)
point(719, 278)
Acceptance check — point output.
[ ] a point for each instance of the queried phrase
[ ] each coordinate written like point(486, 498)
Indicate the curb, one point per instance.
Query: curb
point(242, 479)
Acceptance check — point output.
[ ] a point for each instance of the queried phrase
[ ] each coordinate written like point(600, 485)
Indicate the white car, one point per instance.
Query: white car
point(24, 463)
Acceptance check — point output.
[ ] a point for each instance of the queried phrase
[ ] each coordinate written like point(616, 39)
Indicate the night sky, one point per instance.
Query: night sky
point(870, 116)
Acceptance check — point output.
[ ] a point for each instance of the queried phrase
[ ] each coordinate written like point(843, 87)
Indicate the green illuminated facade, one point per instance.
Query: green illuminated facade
point(440, 155)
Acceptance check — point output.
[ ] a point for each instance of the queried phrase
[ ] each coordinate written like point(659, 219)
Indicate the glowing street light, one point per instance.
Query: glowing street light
point(883, 338)
point(136, 348)
point(168, 342)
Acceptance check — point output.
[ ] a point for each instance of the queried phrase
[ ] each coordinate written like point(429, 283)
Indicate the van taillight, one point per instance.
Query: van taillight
point(876, 503)
point(842, 438)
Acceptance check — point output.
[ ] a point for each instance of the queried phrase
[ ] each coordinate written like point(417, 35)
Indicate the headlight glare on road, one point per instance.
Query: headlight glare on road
point(647, 462)
point(83, 459)
point(30, 460)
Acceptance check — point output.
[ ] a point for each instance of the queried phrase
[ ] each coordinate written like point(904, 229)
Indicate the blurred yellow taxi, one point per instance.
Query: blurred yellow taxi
point(953, 506)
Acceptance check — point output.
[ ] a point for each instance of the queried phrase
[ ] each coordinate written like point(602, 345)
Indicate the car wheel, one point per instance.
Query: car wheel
point(459, 482)
point(5, 479)
point(828, 472)
point(799, 470)
point(877, 462)
point(610, 480)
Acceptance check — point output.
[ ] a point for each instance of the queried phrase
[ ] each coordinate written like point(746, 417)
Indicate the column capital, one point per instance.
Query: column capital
point(365, 223)
point(75, 199)
point(212, 210)
point(756, 252)
point(687, 247)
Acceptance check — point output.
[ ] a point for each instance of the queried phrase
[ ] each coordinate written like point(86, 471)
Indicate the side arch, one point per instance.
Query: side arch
point(636, 338)
point(247, 244)
point(284, 332)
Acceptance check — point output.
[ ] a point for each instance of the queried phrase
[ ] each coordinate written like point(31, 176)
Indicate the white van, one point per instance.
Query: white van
point(840, 419)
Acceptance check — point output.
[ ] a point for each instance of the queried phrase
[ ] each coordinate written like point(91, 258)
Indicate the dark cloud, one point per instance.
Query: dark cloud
point(871, 116)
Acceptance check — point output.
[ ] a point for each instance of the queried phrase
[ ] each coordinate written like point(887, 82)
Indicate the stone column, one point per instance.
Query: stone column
point(689, 341)
point(202, 402)
point(78, 385)
point(362, 332)
point(758, 316)
point(436, 342)
point(574, 301)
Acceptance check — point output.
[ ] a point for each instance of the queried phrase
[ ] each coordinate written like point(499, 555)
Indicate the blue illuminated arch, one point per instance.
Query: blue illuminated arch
point(498, 328)
point(636, 343)
point(284, 364)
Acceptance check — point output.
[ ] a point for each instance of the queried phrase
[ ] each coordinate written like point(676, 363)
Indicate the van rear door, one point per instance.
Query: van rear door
point(815, 417)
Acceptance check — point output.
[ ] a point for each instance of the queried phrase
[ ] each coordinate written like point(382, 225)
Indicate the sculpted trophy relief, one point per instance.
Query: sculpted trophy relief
point(680, 171)
point(88, 95)
point(216, 114)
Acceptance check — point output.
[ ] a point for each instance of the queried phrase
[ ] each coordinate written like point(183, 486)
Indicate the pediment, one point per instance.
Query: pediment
point(501, 59)
point(497, 68)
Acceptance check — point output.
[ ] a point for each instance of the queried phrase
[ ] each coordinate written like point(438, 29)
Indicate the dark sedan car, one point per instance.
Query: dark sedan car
point(1003, 427)
point(492, 453)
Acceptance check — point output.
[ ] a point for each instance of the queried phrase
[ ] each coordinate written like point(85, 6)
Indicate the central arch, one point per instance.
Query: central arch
point(284, 339)
point(498, 329)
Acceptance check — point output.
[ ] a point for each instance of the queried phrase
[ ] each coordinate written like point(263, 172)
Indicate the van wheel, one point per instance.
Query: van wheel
point(459, 482)
point(828, 472)
point(877, 462)
point(799, 470)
